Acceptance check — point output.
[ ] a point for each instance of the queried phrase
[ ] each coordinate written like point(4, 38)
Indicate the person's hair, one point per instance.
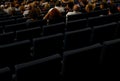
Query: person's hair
point(105, 6)
point(53, 14)
point(89, 7)
point(34, 14)
point(76, 8)
point(58, 3)
point(47, 6)
point(70, 5)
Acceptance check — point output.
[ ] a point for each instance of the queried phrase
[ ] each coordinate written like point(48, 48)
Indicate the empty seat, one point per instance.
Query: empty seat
point(76, 17)
point(47, 45)
point(104, 32)
point(111, 59)
point(20, 20)
point(118, 30)
point(4, 15)
point(28, 33)
point(7, 22)
point(100, 20)
point(95, 21)
point(82, 63)
point(6, 18)
point(40, 70)
point(53, 28)
point(111, 52)
point(34, 24)
point(78, 38)
point(15, 53)
point(6, 38)
point(15, 27)
point(5, 74)
point(76, 24)
point(1, 29)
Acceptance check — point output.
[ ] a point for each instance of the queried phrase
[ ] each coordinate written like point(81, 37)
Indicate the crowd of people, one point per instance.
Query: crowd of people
point(54, 9)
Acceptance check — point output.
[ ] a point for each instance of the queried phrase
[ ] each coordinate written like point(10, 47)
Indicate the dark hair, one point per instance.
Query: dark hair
point(58, 3)
point(34, 13)
point(70, 5)
point(104, 4)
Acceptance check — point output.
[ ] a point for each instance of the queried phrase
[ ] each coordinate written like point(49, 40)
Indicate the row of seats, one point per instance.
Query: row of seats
point(33, 49)
point(60, 53)
point(94, 62)
point(76, 38)
point(9, 25)
point(24, 31)
point(26, 50)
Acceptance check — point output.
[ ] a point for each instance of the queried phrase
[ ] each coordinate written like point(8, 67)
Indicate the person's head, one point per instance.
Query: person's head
point(2, 6)
point(89, 7)
point(103, 5)
point(47, 6)
point(118, 7)
point(110, 1)
point(76, 8)
point(27, 7)
point(35, 4)
point(17, 5)
point(105, 1)
point(65, 1)
point(70, 5)
point(33, 14)
point(58, 3)
point(54, 13)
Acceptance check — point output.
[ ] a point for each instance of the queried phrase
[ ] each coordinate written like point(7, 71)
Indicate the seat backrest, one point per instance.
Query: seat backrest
point(15, 53)
point(96, 21)
point(15, 27)
point(6, 38)
point(1, 29)
point(81, 62)
point(20, 20)
point(104, 32)
point(111, 59)
point(78, 38)
point(47, 45)
point(7, 22)
point(28, 33)
point(111, 52)
point(54, 28)
point(76, 24)
point(76, 17)
point(40, 69)
point(5, 74)
point(34, 24)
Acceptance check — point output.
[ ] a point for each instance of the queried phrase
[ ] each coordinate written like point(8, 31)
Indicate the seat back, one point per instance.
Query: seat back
point(104, 32)
point(78, 38)
point(83, 62)
point(47, 45)
point(54, 28)
point(76, 24)
point(7, 38)
point(40, 69)
point(14, 53)
point(5, 74)
point(28, 33)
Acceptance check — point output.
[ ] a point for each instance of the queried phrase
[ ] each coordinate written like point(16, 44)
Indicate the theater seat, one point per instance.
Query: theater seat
point(44, 69)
